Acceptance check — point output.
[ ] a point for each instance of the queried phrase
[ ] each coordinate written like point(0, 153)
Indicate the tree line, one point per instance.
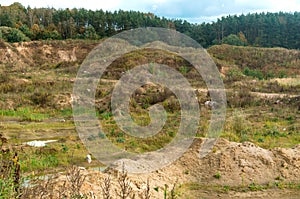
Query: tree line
point(18, 23)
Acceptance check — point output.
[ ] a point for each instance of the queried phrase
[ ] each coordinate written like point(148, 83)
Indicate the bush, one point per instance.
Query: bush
point(12, 34)
point(242, 98)
point(239, 124)
point(233, 40)
point(26, 31)
point(234, 75)
point(253, 73)
point(41, 98)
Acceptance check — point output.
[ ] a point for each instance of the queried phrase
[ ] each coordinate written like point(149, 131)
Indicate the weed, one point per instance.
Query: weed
point(165, 191)
point(234, 75)
point(106, 188)
point(171, 133)
point(146, 194)
point(282, 74)
point(101, 135)
point(186, 172)
point(261, 140)
point(217, 175)
point(255, 187)
point(173, 194)
point(125, 189)
point(64, 148)
point(76, 179)
point(184, 69)
point(253, 73)
point(10, 175)
point(24, 114)
point(106, 115)
point(41, 98)
point(226, 188)
point(120, 140)
point(280, 185)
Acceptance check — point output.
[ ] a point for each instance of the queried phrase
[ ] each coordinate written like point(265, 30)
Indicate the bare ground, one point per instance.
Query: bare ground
point(239, 165)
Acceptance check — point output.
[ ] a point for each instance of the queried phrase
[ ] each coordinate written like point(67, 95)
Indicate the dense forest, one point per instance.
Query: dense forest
point(18, 23)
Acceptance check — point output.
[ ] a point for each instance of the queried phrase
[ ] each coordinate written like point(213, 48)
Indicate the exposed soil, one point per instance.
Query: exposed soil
point(238, 164)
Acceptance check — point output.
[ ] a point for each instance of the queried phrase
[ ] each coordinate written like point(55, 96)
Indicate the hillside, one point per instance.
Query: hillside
point(259, 145)
point(272, 62)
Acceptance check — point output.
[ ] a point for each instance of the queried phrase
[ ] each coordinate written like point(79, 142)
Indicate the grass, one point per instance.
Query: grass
point(56, 155)
point(24, 114)
point(264, 126)
point(139, 145)
point(242, 188)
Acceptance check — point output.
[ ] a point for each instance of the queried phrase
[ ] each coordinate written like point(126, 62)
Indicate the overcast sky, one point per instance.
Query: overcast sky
point(195, 11)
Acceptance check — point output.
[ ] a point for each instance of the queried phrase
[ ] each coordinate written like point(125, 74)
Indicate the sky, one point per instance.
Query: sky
point(194, 11)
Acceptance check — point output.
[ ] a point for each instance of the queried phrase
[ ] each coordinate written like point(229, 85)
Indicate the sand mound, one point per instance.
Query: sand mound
point(238, 164)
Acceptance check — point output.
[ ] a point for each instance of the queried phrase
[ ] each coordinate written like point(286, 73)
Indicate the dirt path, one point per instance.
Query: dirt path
point(273, 95)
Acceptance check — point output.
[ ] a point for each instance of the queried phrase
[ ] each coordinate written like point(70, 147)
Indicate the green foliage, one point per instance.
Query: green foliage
point(120, 140)
point(39, 161)
point(274, 132)
point(217, 175)
point(90, 33)
point(64, 148)
point(255, 187)
point(282, 74)
point(24, 28)
point(239, 123)
point(24, 114)
point(233, 39)
point(226, 188)
point(260, 140)
point(101, 135)
point(12, 34)
point(10, 174)
point(106, 115)
point(234, 75)
point(51, 35)
point(184, 69)
point(253, 73)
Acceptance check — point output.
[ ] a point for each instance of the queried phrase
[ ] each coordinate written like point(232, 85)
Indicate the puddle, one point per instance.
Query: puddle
point(27, 182)
point(39, 143)
point(97, 168)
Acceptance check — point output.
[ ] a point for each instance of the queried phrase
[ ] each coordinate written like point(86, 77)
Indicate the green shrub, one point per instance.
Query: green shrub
point(255, 187)
point(217, 175)
point(282, 74)
point(120, 140)
point(253, 73)
point(184, 69)
point(233, 39)
point(12, 34)
point(234, 75)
